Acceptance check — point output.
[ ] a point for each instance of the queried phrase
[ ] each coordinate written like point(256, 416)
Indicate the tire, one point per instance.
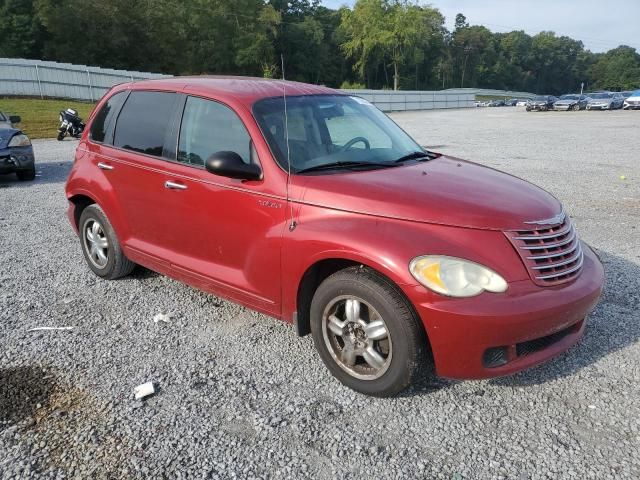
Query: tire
point(576, 107)
point(107, 260)
point(344, 345)
point(26, 175)
point(60, 136)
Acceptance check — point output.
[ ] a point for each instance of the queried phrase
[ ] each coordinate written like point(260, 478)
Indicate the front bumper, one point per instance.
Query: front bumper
point(598, 107)
point(16, 159)
point(631, 106)
point(563, 107)
point(529, 324)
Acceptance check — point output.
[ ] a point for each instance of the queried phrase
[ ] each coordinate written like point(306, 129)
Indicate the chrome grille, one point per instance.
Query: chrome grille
point(552, 255)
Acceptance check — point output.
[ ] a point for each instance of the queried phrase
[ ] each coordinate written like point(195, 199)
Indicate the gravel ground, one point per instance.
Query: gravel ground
point(242, 397)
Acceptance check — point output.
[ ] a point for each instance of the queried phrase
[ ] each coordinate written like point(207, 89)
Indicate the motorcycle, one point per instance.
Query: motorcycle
point(70, 124)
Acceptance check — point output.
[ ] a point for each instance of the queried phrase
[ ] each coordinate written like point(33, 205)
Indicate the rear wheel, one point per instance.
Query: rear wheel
point(366, 333)
point(60, 136)
point(100, 245)
point(26, 175)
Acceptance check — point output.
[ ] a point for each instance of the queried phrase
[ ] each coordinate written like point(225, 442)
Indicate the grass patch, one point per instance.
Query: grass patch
point(40, 117)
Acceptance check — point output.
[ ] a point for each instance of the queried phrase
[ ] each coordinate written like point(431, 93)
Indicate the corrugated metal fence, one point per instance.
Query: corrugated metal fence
point(390, 101)
point(35, 78)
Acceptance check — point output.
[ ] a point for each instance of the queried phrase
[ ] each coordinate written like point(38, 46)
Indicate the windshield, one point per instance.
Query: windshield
point(329, 129)
point(540, 99)
point(600, 95)
point(569, 97)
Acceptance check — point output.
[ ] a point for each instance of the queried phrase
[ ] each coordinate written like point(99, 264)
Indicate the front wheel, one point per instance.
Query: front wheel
point(367, 333)
point(576, 107)
point(60, 136)
point(100, 245)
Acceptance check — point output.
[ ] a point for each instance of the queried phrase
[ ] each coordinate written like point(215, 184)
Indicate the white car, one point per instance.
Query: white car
point(633, 102)
point(522, 103)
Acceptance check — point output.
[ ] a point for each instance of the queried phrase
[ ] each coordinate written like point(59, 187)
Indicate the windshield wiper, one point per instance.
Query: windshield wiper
point(345, 165)
point(416, 156)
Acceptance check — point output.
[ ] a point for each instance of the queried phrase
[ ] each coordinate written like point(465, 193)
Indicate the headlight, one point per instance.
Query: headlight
point(455, 277)
point(19, 140)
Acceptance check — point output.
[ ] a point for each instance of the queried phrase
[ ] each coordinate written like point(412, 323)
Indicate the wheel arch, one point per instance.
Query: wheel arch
point(80, 201)
point(320, 270)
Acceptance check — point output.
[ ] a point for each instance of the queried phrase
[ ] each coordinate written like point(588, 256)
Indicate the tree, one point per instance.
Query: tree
point(21, 33)
point(384, 31)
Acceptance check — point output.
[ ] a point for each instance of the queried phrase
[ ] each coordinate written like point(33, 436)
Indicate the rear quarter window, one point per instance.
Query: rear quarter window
point(103, 120)
point(143, 122)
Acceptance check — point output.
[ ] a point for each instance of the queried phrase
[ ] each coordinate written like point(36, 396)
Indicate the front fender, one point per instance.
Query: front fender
point(385, 245)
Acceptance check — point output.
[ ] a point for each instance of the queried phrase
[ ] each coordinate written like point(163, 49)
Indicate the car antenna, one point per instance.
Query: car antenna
point(292, 224)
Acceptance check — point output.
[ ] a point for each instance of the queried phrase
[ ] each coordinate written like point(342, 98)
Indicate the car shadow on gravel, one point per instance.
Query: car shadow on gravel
point(22, 391)
point(612, 326)
point(49, 172)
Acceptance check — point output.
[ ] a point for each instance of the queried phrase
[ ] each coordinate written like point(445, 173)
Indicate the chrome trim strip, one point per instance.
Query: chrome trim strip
point(559, 233)
point(554, 255)
point(559, 264)
point(550, 245)
point(564, 272)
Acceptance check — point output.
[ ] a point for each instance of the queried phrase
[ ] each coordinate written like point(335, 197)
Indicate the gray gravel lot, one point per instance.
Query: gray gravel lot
point(242, 397)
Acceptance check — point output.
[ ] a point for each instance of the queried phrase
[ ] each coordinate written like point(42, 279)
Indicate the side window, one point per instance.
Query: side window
point(355, 124)
point(105, 116)
point(209, 127)
point(143, 122)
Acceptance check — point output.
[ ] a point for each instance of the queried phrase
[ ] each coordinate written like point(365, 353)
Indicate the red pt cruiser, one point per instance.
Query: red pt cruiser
point(312, 206)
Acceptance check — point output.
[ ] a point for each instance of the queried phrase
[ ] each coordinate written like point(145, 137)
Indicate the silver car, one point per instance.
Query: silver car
point(571, 102)
point(605, 101)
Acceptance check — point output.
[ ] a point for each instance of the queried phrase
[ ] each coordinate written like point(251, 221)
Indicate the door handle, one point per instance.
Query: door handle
point(104, 166)
point(174, 186)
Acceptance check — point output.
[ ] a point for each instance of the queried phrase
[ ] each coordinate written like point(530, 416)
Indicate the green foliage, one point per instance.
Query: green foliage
point(347, 85)
point(40, 117)
point(376, 44)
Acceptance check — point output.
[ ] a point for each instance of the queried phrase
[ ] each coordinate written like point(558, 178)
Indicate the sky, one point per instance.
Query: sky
point(601, 25)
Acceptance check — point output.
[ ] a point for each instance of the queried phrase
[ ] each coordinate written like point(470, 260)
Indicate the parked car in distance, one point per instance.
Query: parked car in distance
point(541, 103)
point(633, 101)
point(522, 102)
point(571, 102)
point(16, 151)
point(605, 101)
point(317, 209)
point(512, 102)
point(497, 103)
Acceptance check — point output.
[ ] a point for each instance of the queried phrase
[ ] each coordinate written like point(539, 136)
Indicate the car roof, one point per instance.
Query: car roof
point(248, 90)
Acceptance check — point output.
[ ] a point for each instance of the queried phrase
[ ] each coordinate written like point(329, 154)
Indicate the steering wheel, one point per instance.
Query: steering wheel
point(355, 140)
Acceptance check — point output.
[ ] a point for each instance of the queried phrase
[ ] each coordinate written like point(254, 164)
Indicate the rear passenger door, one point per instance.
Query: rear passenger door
point(143, 141)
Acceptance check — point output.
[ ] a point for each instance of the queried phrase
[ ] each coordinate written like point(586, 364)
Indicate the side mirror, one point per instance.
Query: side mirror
point(15, 119)
point(230, 164)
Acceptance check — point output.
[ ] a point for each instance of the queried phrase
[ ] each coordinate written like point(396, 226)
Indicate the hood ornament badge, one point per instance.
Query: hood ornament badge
point(559, 218)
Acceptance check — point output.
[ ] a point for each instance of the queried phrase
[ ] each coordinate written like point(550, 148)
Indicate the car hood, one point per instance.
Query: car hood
point(444, 190)
point(6, 133)
point(633, 99)
point(566, 102)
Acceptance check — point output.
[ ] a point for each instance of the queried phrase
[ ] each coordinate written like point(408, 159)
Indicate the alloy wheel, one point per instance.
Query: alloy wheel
point(357, 337)
point(96, 243)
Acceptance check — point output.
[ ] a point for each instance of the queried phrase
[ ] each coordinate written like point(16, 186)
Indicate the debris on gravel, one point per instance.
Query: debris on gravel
point(242, 397)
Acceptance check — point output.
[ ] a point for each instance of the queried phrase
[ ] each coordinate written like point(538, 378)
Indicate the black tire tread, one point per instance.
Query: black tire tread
point(122, 266)
point(419, 354)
